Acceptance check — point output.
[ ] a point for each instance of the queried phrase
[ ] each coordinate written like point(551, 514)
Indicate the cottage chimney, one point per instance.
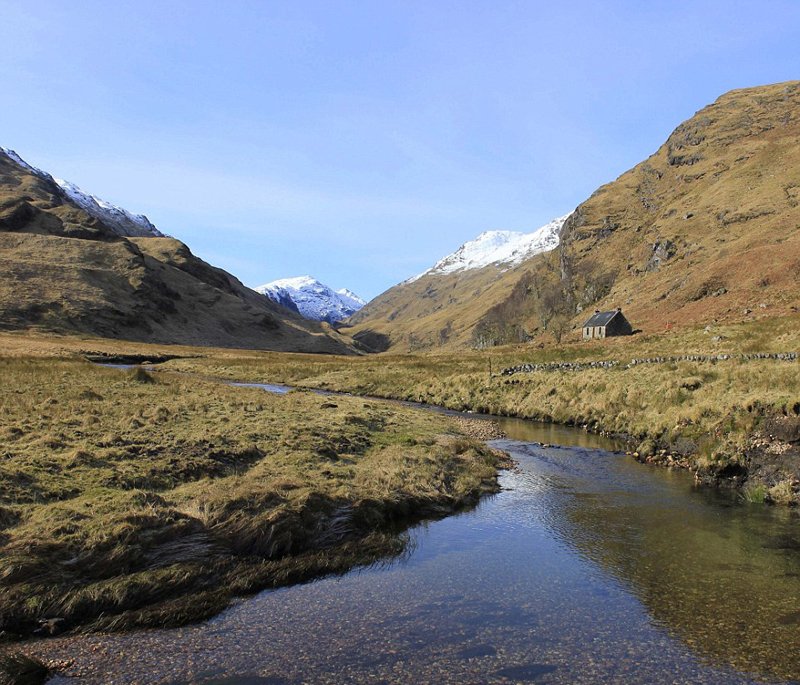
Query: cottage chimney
point(596, 311)
point(619, 309)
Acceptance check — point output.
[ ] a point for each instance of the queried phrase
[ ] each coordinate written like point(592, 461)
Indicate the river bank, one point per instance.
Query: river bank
point(732, 421)
point(721, 401)
point(133, 499)
point(584, 568)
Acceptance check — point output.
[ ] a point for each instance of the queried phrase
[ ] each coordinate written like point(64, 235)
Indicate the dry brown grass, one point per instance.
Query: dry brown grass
point(131, 498)
point(63, 270)
point(711, 412)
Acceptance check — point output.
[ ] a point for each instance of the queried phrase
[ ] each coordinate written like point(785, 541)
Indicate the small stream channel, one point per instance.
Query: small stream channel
point(588, 567)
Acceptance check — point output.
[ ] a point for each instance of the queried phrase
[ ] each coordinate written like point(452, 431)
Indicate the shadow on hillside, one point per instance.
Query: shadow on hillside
point(372, 341)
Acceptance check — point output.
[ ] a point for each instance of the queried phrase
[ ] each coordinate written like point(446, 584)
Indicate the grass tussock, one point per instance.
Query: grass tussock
point(755, 494)
point(135, 375)
point(130, 498)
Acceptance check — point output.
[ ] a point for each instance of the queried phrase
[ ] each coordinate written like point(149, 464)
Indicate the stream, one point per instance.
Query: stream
point(587, 567)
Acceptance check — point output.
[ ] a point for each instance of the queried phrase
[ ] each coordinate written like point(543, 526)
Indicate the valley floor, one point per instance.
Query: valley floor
point(150, 499)
point(731, 415)
point(138, 499)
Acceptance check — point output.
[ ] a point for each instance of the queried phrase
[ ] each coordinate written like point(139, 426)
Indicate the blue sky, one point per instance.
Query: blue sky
point(361, 141)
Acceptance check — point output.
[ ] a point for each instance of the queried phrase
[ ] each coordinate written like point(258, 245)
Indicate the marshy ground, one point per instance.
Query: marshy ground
point(733, 422)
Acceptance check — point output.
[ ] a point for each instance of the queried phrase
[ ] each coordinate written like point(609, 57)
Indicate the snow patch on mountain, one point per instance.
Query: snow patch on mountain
point(312, 299)
point(116, 218)
point(351, 299)
point(502, 248)
point(16, 158)
point(119, 220)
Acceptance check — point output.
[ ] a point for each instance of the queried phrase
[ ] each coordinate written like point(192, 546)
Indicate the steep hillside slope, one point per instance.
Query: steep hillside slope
point(442, 305)
point(119, 220)
point(706, 229)
point(63, 269)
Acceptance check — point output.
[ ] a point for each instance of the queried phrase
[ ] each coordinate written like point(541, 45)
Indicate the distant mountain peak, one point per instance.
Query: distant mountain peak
point(119, 220)
point(498, 247)
point(312, 299)
point(298, 282)
point(349, 293)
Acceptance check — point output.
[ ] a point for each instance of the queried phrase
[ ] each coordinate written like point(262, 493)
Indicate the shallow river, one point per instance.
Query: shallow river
point(588, 567)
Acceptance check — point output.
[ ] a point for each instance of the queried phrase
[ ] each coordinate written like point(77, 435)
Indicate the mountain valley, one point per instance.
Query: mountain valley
point(548, 432)
point(705, 231)
point(73, 264)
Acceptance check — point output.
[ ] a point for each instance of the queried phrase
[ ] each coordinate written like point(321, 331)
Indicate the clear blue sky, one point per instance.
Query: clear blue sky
point(361, 141)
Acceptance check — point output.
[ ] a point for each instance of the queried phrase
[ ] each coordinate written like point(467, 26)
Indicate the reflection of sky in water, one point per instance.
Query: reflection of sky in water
point(587, 568)
point(269, 387)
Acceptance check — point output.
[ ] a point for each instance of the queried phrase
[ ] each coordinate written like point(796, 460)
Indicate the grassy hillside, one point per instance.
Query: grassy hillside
point(63, 270)
point(705, 231)
point(433, 311)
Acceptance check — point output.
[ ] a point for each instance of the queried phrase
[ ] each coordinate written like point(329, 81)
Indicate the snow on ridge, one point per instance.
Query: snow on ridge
point(16, 158)
point(503, 248)
point(350, 295)
point(294, 283)
point(119, 220)
point(312, 299)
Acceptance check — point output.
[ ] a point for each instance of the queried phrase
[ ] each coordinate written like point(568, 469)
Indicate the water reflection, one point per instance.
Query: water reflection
point(724, 576)
point(268, 387)
point(587, 568)
point(521, 430)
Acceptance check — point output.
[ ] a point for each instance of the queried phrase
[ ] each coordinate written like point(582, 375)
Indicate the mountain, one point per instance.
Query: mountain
point(72, 263)
point(499, 248)
point(442, 305)
point(312, 299)
point(117, 219)
point(706, 230)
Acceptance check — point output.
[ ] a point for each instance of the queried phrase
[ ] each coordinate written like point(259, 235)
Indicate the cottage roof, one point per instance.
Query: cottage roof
point(601, 318)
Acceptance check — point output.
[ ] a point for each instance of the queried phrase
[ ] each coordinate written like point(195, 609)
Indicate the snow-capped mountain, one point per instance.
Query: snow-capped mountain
point(504, 248)
point(312, 299)
point(119, 220)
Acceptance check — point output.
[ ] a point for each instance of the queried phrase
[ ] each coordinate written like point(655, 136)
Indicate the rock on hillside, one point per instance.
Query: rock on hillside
point(64, 268)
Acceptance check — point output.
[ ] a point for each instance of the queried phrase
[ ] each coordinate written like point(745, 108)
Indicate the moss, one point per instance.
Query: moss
point(646, 448)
